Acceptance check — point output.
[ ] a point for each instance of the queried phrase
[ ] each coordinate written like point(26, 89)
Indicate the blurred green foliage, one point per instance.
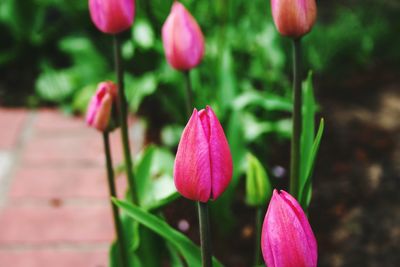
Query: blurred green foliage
point(51, 54)
point(245, 75)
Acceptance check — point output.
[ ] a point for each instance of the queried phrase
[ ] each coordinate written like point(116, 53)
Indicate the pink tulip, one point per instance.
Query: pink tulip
point(112, 16)
point(101, 106)
point(182, 38)
point(203, 163)
point(287, 239)
point(294, 18)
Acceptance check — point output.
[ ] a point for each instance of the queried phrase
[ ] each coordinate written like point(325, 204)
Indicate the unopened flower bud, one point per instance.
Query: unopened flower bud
point(294, 18)
point(102, 107)
point(182, 39)
point(112, 16)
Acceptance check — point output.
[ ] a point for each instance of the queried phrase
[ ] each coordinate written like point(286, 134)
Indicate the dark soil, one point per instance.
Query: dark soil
point(355, 211)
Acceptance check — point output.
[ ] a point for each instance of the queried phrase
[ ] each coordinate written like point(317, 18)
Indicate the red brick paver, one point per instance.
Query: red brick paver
point(55, 209)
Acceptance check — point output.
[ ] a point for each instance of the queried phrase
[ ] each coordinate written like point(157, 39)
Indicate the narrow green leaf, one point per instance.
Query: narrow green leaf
point(184, 245)
point(114, 259)
point(306, 188)
point(176, 260)
point(308, 130)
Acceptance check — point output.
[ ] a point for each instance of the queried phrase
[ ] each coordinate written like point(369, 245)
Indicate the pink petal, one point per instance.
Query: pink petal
point(112, 16)
point(100, 106)
point(192, 171)
point(182, 39)
point(220, 155)
point(294, 18)
point(102, 117)
point(287, 239)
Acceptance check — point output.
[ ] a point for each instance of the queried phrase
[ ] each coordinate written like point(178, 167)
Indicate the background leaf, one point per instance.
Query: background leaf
point(155, 183)
point(184, 245)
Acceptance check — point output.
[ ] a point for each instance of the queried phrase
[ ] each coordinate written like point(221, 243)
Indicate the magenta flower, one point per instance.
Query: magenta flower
point(287, 239)
point(182, 39)
point(101, 106)
point(294, 18)
point(112, 16)
point(203, 163)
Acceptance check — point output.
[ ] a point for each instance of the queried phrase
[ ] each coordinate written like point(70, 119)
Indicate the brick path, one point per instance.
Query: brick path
point(54, 210)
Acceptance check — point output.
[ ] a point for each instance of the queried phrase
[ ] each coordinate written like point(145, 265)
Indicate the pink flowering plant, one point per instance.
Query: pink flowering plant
point(210, 155)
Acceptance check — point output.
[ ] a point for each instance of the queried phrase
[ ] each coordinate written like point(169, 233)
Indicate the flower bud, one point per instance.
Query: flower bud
point(258, 187)
point(294, 18)
point(182, 39)
point(102, 106)
point(112, 16)
point(203, 163)
point(287, 239)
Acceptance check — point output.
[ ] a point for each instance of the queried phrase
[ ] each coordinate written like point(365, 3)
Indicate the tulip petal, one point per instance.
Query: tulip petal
point(287, 238)
point(95, 103)
point(100, 107)
point(182, 39)
point(102, 117)
point(192, 170)
point(112, 16)
point(220, 155)
point(294, 18)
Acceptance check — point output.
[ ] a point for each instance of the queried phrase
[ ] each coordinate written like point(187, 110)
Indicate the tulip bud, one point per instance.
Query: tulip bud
point(203, 163)
point(294, 18)
point(112, 16)
point(258, 187)
point(287, 239)
point(102, 106)
point(182, 39)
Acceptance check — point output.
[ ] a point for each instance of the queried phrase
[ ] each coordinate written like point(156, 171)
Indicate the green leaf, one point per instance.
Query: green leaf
point(258, 186)
point(155, 184)
point(131, 232)
point(171, 134)
point(175, 259)
point(84, 56)
point(55, 86)
point(305, 192)
point(138, 88)
point(307, 136)
point(269, 102)
point(114, 259)
point(253, 127)
point(190, 252)
point(143, 34)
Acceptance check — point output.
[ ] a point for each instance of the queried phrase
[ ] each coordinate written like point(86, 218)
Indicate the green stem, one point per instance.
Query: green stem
point(205, 234)
point(111, 186)
point(259, 219)
point(123, 117)
point(189, 93)
point(297, 120)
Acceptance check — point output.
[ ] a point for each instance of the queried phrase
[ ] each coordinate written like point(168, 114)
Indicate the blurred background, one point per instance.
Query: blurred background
point(52, 57)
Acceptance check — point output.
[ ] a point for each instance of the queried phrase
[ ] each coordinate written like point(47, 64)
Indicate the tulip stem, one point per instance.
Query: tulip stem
point(297, 120)
point(205, 234)
point(124, 118)
point(189, 93)
point(259, 219)
point(111, 187)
